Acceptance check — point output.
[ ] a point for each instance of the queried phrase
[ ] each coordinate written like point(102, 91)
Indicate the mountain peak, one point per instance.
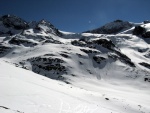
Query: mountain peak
point(112, 27)
point(14, 21)
point(11, 24)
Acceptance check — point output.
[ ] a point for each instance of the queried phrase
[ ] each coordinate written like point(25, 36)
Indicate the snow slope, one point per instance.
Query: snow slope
point(44, 70)
point(23, 91)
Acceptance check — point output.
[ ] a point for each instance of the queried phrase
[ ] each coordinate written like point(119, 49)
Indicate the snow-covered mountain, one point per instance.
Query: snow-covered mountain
point(113, 27)
point(99, 71)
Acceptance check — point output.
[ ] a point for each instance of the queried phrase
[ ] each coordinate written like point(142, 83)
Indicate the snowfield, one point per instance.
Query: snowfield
point(23, 91)
point(44, 70)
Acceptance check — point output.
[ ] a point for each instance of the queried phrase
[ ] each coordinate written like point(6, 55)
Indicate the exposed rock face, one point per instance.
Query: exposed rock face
point(93, 43)
point(14, 22)
point(107, 45)
point(112, 28)
point(146, 21)
point(52, 41)
point(18, 41)
point(89, 51)
point(146, 34)
point(123, 58)
point(145, 65)
point(141, 31)
point(4, 50)
point(47, 27)
point(138, 30)
point(98, 59)
point(48, 66)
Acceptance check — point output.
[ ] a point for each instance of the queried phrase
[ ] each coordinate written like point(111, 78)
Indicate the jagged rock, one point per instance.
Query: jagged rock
point(79, 55)
point(36, 38)
point(145, 65)
point(19, 41)
point(78, 43)
point(48, 66)
point(123, 58)
point(4, 50)
point(104, 42)
point(146, 34)
point(146, 21)
point(64, 55)
point(47, 27)
point(14, 21)
point(49, 54)
point(147, 79)
point(4, 107)
point(108, 44)
point(92, 43)
point(53, 41)
point(138, 30)
point(89, 51)
point(98, 59)
point(147, 55)
point(142, 50)
point(13, 24)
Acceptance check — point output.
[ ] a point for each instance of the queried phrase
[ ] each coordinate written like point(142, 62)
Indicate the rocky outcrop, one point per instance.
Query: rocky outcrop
point(138, 30)
point(145, 65)
point(52, 41)
point(112, 28)
point(13, 25)
point(47, 27)
point(93, 43)
point(141, 31)
point(4, 50)
point(18, 41)
point(14, 22)
point(51, 67)
point(109, 48)
point(98, 59)
point(146, 34)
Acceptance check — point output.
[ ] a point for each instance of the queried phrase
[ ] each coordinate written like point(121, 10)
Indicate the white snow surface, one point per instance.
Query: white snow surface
point(111, 86)
point(26, 92)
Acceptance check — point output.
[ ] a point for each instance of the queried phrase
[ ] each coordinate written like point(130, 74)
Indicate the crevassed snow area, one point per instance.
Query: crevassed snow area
point(23, 91)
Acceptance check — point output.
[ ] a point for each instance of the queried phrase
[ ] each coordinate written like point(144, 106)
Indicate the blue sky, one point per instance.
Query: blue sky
point(78, 15)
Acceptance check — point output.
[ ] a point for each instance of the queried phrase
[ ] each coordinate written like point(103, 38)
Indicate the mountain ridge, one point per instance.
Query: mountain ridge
point(98, 50)
point(45, 70)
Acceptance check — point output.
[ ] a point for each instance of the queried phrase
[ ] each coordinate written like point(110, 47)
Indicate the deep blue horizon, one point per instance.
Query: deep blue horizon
point(78, 15)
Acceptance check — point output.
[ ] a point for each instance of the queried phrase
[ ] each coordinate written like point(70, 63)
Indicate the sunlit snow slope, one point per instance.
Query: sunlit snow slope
point(44, 70)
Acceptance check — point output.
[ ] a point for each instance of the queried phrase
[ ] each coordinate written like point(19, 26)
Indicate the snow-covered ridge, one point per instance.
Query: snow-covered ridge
point(43, 49)
point(10, 25)
point(105, 72)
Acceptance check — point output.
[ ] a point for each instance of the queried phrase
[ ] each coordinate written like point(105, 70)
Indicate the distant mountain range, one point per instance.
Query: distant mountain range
point(117, 51)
